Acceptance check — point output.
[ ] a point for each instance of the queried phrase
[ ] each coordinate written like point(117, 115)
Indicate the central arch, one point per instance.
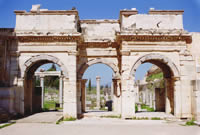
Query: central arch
point(84, 66)
point(88, 64)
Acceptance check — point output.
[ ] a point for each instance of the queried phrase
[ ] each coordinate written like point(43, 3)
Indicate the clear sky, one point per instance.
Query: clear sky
point(104, 9)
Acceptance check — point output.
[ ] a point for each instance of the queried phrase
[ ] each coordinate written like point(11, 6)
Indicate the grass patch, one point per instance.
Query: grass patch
point(6, 125)
point(155, 118)
point(147, 108)
point(112, 116)
point(49, 105)
point(142, 118)
point(66, 119)
point(190, 123)
point(69, 119)
point(136, 107)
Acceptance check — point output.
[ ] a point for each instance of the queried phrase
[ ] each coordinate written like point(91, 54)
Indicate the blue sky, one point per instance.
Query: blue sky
point(108, 9)
point(104, 9)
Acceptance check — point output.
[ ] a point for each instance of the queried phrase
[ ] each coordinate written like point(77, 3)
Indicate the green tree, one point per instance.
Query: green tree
point(90, 85)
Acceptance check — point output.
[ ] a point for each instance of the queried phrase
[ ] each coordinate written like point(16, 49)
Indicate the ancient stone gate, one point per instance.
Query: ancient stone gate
point(42, 36)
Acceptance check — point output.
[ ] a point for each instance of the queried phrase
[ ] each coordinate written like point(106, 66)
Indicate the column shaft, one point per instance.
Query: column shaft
point(98, 92)
point(42, 86)
point(61, 92)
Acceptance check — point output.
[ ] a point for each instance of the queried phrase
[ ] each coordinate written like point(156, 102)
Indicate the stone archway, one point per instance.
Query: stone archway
point(171, 75)
point(84, 66)
point(31, 93)
point(81, 82)
point(155, 57)
point(43, 58)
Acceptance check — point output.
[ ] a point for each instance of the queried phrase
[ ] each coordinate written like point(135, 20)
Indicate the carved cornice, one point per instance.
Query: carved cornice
point(166, 12)
point(98, 21)
point(48, 12)
point(98, 44)
point(150, 38)
point(25, 39)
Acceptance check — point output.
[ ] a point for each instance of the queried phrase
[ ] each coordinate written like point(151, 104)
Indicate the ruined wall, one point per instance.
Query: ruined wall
point(60, 37)
point(99, 30)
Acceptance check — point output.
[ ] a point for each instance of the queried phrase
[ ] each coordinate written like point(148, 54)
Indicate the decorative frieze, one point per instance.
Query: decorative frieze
point(187, 39)
point(24, 39)
point(98, 44)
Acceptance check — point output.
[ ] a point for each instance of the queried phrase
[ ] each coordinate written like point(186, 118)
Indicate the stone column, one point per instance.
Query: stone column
point(117, 96)
point(79, 110)
point(150, 99)
point(154, 99)
point(83, 93)
point(127, 86)
point(42, 86)
point(177, 97)
point(128, 98)
point(61, 91)
point(70, 85)
point(98, 78)
point(112, 91)
point(20, 96)
point(197, 100)
point(137, 93)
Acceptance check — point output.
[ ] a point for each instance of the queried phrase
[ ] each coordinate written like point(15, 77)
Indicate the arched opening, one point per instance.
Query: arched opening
point(37, 96)
point(99, 90)
point(155, 91)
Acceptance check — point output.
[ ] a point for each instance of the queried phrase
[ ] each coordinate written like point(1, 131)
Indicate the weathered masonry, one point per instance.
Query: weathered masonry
point(42, 36)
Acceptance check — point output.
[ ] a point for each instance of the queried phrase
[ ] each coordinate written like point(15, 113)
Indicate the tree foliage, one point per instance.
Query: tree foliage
point(89, 85)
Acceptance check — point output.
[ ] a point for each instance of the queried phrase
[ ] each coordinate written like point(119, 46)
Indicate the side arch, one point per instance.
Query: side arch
point(43, 59)
point(159, 60)
point(84, 66)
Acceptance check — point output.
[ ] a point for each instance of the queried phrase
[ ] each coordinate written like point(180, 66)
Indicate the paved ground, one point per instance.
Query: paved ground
point(97, 126)
point(91, 126)
point(43, 117)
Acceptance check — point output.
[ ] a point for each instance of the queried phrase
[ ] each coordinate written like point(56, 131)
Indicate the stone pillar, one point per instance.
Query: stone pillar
point(112, 91)
point(61, 91)
point(150, 99)
point(197, 100)
point(128, 98)
point(79, 110)
point(20, 96)
point(98, 78)
point(137, 93)
point(83, 94)
point(154, 99)
point(42, 86)
point(167, 99)
point(70, 85)
point(177, 97)
point(117, 96)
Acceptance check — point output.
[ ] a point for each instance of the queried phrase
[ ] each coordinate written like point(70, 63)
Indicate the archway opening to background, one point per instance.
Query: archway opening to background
point(42, 89)
point(169, 72)
point(150, 82)
point(99, 87)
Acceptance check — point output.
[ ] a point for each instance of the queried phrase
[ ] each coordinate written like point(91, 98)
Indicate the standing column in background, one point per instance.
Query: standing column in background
point(98, 78)
point(61, 91)
point(42, 86)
